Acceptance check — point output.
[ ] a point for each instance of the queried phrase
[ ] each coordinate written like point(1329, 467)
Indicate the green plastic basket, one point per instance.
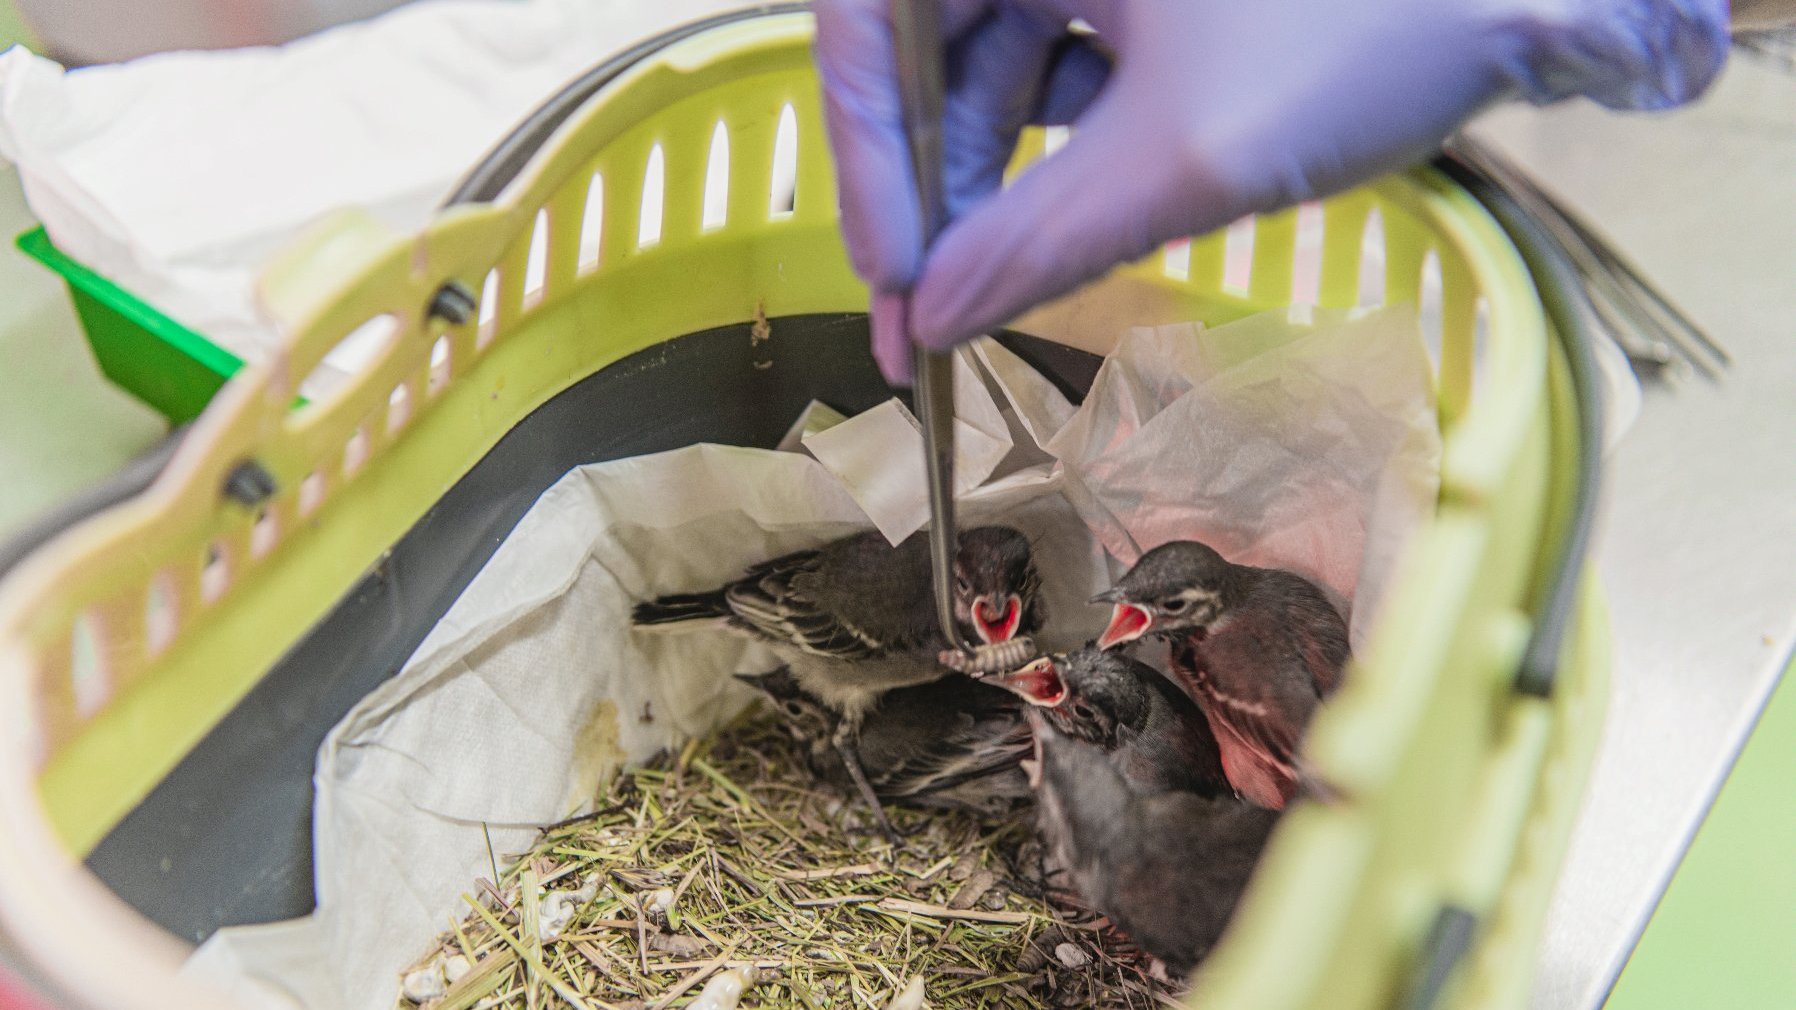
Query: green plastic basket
point(130, 642)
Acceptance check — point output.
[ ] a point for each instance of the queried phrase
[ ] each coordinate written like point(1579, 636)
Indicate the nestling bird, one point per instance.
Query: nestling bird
point(952, 743)
point(856, 618)
point(1257, 648)
point(1166, 867)
point(1153, 736)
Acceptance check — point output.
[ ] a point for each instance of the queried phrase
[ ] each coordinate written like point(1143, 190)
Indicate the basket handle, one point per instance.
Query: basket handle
point(489, 177)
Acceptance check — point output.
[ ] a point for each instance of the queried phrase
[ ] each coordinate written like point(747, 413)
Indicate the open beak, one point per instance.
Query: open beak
point(997, 621)
point(1127, 623)
point(1038, 683)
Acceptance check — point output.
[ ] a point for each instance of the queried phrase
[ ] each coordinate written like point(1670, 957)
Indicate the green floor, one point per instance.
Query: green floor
point(1725, 933)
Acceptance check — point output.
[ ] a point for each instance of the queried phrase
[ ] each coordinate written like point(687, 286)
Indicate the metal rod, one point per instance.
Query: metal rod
point(935, 399)
point(917, 37)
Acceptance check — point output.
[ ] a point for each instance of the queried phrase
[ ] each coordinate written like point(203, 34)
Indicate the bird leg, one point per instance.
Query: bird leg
point(852, 761)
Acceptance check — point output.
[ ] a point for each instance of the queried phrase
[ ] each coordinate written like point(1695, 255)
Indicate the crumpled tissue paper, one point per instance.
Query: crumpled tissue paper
point(1309, 445)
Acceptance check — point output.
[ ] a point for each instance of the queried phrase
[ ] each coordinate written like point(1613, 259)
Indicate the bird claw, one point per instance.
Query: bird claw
point(990, 657)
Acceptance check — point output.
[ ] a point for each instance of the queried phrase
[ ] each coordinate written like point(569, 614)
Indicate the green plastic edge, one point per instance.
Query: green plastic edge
point(36, 244)
point(1724, 934)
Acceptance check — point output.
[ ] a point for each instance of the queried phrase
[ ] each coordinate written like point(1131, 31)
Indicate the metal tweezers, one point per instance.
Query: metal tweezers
point(917, 37)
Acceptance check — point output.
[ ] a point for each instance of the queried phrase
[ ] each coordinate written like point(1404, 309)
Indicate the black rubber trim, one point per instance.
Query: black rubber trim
point(1569, 315)
point(501, 165)
point(126, 483)
point(1449, 938)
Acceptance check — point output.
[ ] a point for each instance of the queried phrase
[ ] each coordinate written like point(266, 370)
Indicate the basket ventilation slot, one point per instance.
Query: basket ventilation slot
point(353, 355)
point(1237, 257)
point(160, 619)
point(654, 185)
point(1175, 259)
point(215, 574)
point(1429, 305)
point(264, 534)
point(592, 223)
point(89, 678)
point(439, 366)
point(355, 451)
point(536, 267)
point(783, 195)
point(1306, 263)
point(717, 181)
point(311, 493)
point(1371, 261)
point(489, 310)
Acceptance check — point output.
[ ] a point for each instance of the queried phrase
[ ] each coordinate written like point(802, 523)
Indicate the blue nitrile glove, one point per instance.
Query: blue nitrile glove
point(1204, 110)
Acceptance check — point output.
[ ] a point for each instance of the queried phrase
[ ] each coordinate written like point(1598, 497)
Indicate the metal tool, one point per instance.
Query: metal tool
point(1659, 339)
point(917, 36)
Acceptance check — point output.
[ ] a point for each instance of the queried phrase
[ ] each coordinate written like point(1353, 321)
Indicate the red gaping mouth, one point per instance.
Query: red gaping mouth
point(999, 626)
point(1127, 623)
point(1038, 683)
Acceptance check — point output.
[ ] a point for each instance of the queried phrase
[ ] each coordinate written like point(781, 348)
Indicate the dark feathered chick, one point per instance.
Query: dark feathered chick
point(1153, 735)
point(1166, 867)
point(1257, 648)
point(856, 618)
point(953, 743)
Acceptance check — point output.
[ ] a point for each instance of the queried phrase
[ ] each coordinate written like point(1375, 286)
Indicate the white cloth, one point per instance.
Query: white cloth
point(179, 175)
point(1308, 448)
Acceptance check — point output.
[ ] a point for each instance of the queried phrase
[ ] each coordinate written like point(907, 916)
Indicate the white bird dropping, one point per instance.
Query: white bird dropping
point(910, 997)
point(724, 990)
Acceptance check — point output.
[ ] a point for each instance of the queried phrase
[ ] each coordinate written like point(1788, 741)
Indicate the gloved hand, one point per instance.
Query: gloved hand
point(1189, 114)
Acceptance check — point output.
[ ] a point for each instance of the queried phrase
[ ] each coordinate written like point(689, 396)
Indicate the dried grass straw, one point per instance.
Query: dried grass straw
point(732, 858)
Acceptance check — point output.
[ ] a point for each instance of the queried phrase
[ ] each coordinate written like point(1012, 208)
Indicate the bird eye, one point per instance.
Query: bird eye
point(794, 709)
point(1176, 605)
point(962, 586)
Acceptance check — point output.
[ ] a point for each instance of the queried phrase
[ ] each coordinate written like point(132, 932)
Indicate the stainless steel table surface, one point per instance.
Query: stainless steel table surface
point(1698, 545)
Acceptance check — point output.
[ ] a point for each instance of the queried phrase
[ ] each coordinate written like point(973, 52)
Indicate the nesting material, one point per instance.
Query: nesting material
point(728, 875)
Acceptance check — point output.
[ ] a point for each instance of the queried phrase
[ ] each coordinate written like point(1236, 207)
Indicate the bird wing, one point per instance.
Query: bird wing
point(1256, 686)
point(962, 759)
point(770, 602)
point(929, 739)
point(1319, 630)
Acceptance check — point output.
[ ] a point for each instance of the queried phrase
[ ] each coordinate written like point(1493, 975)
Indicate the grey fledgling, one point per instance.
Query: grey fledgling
point(856, 618)
point(1156, 738)
point(1257, 648)
point(953, 743)
point(1166, 867)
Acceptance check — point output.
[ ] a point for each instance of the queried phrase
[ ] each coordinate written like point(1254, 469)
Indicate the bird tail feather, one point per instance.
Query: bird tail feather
point(681, 611)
